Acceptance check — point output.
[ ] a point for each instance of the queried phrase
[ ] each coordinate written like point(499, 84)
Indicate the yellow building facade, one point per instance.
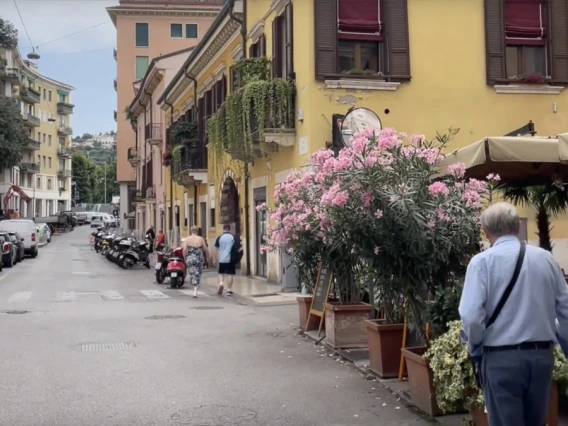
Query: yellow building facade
point(422, 67)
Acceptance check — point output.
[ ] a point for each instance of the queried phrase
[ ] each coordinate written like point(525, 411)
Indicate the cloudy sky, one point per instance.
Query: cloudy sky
point(75, 39)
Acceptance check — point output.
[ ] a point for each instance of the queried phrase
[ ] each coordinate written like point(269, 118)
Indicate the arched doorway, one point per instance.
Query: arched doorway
point(230, 211)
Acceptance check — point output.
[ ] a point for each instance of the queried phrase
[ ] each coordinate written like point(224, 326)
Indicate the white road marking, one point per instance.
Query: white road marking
point(67, 296)
point(20, 297)
point(112, 295)
point(81, 273)
point(154, 294)
point(190, 293)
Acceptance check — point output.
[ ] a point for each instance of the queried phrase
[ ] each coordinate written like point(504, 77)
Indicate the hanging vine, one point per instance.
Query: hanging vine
point(176, 159)
point(251, 69)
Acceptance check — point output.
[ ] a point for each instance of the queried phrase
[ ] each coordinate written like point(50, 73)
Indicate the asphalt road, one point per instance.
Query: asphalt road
point(84, 343)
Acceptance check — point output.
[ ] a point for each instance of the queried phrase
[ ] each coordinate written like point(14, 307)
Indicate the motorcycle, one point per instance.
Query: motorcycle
point(122, 247)
point(138, 253)
point(106, 244)
point(161, 266)
point(176, 269)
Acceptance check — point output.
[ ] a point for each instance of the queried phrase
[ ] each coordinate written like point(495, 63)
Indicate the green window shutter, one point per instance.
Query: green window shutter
point(142, 63)
point(142, 35)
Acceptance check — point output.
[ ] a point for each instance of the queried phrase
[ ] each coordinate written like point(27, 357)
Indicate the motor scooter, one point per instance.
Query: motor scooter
point(161, 267)
point(138, 253)
point(176, 269)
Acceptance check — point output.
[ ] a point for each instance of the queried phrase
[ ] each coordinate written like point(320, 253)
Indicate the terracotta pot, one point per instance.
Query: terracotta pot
point(421, 380)
point(385, 342)
point(479, 416)
point(304, 305)
point(345, 325)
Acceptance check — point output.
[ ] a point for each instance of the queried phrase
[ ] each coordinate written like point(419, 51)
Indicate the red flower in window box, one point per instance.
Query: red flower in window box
point(534, 78)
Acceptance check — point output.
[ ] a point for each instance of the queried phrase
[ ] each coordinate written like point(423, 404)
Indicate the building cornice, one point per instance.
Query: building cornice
point(220, 71)
point(140, 102)
point(115, 12)
point(256, 31)
point(237, 53)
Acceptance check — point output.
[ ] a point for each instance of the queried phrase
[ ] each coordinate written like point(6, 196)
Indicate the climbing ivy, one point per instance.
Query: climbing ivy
point(247, 70)
point(176, 159)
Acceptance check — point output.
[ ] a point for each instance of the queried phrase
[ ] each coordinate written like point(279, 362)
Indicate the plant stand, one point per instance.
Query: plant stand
point(421, 380)
point(304, 305)
point(345, 325)
point(385, 343)
point(479, 416)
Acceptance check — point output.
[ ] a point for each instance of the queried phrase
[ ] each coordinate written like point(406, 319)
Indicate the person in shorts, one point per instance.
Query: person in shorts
point(224, 245)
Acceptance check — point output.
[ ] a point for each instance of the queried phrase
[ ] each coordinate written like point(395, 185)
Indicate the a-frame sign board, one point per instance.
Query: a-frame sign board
point(322, 289)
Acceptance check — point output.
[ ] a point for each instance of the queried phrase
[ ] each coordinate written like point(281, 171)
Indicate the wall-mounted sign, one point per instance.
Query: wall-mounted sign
point(356, 120)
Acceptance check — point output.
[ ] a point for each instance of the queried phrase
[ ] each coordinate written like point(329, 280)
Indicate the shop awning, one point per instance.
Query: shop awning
point(359, 20)
point(524, 21)
point(520, 161)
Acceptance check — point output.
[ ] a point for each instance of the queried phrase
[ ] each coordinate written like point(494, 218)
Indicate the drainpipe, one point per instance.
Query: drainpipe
point(196, 104)
point(144, 173)
point(243, 24)
point(171, 176)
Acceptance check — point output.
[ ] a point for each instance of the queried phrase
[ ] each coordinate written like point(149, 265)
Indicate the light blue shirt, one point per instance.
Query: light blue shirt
point(539, 298)
point(225, 244)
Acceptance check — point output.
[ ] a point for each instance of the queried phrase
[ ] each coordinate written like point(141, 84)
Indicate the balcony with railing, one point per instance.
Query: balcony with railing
point(10, 74)
point(64, 173)
point(31, 120)
point(133, 156)
point(30, 95)
point(29, 167)
point(32, 145)
point(115, 115)
point(115, 85)
point(65, 108)
point(64, 131)
point(153, 133)
point(114, 54)
point(62, 152)
point(189, 163)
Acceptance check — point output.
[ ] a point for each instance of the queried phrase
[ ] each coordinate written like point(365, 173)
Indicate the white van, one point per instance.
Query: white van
point(27, 230)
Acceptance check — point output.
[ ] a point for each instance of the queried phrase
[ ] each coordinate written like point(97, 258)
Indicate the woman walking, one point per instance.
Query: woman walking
point(195, 249)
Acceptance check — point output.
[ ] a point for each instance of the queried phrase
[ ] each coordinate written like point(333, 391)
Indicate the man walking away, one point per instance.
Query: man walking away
point(151, 235)
point(512, 297)
point(229, 249)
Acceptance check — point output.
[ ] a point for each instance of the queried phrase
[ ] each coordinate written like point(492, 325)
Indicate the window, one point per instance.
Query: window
point(190, 30)
point(281, 36)
point(38, 183)
point(44, 94)
point(212, 217)
point(258, 49)
point(48, 183)
point(43, 139)
point(62, 98)
point(190, 215)
point(525, 41)
point(176, 30)
point(364, 37)
point(43, 161)
point(49, 140)
point(142, 63)
point(49, 96)
point(49, 162)
point(142, 35)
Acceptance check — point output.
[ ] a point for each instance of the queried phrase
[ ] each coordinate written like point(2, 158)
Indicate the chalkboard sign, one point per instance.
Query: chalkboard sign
point(321, 291)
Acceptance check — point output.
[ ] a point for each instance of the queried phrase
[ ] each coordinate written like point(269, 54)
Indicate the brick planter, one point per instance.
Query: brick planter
point(345, 325)
point(304, 306)
point(385, 343)
point(421, 380)
point(479, 416)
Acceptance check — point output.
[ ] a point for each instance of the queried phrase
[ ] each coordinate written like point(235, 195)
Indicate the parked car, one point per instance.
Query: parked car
point(41, 234)
point(27, 230)
point(9, 251)
point(47, 231)
point(19, 243)
point(97, 221)
point(109, 220)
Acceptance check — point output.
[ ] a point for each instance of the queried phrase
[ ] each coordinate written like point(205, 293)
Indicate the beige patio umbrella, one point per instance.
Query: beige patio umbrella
point(519, 160)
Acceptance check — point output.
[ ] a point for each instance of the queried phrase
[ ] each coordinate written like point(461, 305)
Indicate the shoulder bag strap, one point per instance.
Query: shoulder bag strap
point(510, 287)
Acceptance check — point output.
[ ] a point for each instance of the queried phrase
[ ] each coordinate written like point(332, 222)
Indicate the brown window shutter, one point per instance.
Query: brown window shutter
point(262, 46)
point(397, 39)
point(223, 88)
point(289, 40)
point(559, 40)
point(275, 48)
point(495, 41)
point(325, 15)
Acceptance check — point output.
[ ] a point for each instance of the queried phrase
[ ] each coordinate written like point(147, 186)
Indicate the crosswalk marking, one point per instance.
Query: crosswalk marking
point(154, 294)
point(67, 296)
point(21, 296)
point(106, 295)
point(111, 295)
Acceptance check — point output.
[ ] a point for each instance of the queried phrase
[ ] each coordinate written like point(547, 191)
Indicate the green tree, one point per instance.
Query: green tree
point(13, 136)
point(8, 34)
point(549, 201)
point(83, 170)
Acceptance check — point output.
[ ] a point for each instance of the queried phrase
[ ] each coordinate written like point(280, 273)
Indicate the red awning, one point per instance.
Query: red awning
point(524, 21)
point(359, 19)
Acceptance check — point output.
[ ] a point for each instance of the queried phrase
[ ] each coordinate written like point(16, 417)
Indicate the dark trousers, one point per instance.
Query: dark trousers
point(517, 386)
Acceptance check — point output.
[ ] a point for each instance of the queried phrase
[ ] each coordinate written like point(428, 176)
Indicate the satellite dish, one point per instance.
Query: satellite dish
point(356, 120)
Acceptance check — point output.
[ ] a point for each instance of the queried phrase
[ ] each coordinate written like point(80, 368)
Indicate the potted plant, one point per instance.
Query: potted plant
point(185, 130)
point(454, 382)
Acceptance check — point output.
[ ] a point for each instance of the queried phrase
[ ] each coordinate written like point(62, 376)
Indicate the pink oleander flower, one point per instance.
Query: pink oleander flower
point(442, 215)
point(457, 170)
point(378, 214)
point(367, 198)
point(340, 199)
point(417, 140)
point(260, 207)
point(438, 188)
point(376, 250)
point(493, 177)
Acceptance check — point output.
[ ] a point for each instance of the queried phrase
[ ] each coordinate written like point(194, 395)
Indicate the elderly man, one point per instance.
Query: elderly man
point(516, 340)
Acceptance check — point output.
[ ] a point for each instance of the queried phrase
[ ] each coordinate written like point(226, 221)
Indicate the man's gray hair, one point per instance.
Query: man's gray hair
point(501, 219)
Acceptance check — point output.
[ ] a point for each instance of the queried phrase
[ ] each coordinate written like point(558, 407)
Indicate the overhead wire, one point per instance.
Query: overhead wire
point(74, 33)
